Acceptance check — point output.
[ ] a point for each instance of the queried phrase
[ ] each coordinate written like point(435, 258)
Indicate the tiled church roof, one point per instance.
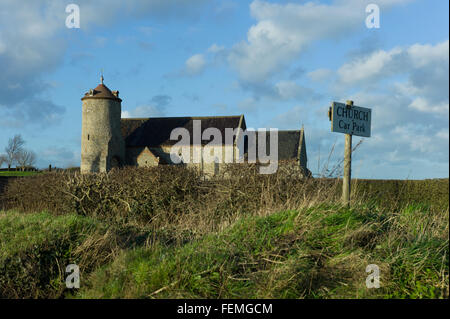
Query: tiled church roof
point(291, 144)
point(154, 132)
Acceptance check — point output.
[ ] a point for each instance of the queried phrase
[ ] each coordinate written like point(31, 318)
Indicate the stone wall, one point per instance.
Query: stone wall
point(145, 157)
point(101, 138)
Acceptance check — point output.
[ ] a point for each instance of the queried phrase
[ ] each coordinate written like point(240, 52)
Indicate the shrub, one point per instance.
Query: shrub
point(36, 248)
point(180, 204)
point(165, 196)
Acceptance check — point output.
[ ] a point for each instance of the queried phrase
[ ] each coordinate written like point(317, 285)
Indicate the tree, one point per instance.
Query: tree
point(15, 145)
point(25, 158)
point(3, 160)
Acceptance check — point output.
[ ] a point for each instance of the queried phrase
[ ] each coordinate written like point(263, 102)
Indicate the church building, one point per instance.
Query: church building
point(109, 141)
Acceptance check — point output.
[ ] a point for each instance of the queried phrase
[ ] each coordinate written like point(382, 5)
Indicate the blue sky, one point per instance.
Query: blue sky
point(280, 63)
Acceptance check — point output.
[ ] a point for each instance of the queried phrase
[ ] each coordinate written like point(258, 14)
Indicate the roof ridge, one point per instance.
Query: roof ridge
point(182, 117)
point(268, 130)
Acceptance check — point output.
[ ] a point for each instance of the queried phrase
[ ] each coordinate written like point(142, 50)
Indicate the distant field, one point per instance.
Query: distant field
point(165, 233)
point(18, 173)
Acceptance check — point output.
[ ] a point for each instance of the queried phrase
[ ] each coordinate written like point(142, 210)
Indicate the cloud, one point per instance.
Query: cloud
point(25, 54)
point(248, 104)
point(58, 157)
point(425, 68)
point(285, 90)
point(284, 31)
point(143, 111)
point(33, 42)
point(293, 118)
point(407, 90)
point(422, 105)
point(216, 48)
point(193, 97)
point(442, 134)
point(158, 10)
point(161, 101)
point(373, 67)
point(296, 73)
point(195, 64)
point(226, 6)
point(32, 111)
point(320, 75)
point(288, 90)
point(156, 108)
point(398, 130)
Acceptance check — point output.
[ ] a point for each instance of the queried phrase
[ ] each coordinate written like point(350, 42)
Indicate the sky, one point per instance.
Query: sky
point(280, 63)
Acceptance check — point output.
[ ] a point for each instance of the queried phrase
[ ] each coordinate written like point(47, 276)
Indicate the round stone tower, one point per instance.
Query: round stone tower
point(102, 144)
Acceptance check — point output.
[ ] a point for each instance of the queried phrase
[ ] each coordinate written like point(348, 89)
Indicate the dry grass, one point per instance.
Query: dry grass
point(166, 232)
point(167, 199)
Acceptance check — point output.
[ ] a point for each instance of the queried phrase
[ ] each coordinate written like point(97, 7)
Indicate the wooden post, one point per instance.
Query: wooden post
point(346, 187)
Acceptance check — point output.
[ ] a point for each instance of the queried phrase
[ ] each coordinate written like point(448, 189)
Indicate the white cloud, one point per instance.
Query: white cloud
point(422, 105)
point(283, 31)
point(443, 134)
point(32, 44)
point(195, 64)
point(407, 90)
point(426, 67)
point(419, 73)
point(424, 54)
point(215, 48)
point(367, 68)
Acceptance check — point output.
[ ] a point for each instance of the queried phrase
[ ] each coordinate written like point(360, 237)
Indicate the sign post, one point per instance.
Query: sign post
point(350, 120)
point(346, 186)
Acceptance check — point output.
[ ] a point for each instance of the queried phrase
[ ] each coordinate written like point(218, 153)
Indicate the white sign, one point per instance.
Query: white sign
point(350, 119)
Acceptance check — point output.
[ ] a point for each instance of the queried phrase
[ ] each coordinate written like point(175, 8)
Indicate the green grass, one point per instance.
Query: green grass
point(18, 173)
point(320, 252)
point(311, 249)
point(36, 248)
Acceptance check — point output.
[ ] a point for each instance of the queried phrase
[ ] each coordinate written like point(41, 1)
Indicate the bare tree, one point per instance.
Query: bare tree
point(3, 159)
point(25, 158)
point(15, 145)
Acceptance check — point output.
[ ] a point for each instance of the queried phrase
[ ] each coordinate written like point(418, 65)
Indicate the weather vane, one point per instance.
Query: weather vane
point(101, 77)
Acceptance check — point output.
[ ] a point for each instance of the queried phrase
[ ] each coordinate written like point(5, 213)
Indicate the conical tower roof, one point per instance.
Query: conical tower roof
point(101, 92)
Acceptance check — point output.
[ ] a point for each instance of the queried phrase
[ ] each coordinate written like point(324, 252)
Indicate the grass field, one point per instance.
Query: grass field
point(316, 252)
point(320, 252)
point(18, 173)
point(167, 244)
